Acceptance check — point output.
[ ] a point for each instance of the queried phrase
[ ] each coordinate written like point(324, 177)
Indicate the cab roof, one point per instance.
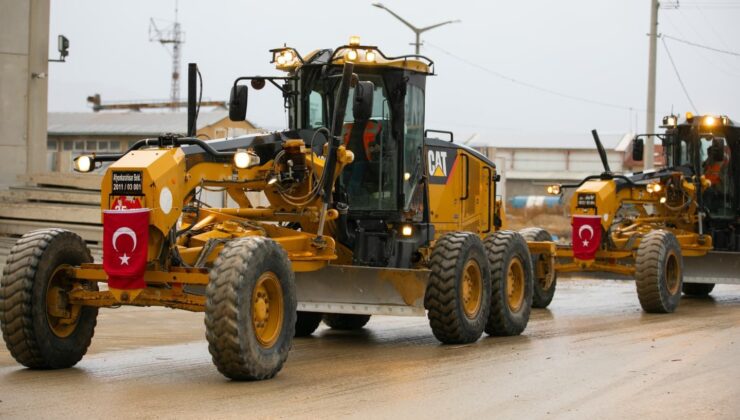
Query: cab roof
point(288, 59)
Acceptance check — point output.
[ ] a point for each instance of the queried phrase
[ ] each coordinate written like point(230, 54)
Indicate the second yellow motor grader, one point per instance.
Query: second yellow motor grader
point(675, 229)
point(367, 215)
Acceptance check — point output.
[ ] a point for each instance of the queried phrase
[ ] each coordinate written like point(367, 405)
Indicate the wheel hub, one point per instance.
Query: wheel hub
point(471, 289)
point(267, 309)
point(60, 315)
point(515, 284)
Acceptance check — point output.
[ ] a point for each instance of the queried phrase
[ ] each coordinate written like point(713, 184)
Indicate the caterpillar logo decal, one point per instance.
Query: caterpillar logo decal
point(440, 164)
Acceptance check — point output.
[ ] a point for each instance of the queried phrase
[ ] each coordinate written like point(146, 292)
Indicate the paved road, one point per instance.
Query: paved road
point(593, 354)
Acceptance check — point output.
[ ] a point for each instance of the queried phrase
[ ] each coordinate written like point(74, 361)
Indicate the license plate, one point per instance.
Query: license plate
point(126, 183)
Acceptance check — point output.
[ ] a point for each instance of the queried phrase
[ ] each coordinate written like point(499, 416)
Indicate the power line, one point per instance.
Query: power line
point(680, 81)
point(694, 44)
point(532, 86)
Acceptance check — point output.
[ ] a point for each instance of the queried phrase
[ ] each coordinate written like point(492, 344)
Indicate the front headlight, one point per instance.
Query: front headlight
point(244, 159)
point(84, 163)
point(654, 187)
point(553, 189)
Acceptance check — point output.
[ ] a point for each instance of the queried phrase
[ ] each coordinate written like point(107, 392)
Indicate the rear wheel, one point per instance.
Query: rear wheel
point(659, 272)
point(40, 328)
point(698, 289)
point(306, 323)
point(250, 309)
point(512, 283)
point(346, 321)
point(457, 296)
point(545, 278)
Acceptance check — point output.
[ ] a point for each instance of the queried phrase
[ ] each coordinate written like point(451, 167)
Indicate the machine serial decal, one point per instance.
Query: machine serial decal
point(440, 164)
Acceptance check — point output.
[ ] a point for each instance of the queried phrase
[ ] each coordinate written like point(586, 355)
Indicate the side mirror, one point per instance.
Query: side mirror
point(362, 103)
point(638, 150)
point(238, 103)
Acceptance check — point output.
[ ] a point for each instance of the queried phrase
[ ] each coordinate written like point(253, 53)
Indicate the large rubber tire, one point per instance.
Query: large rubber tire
point(508, 254)
point(232, 308)
point(453, 319)
point(346, 321)
point(306, 323)
point(659, 272)
point(697, 289)
point(544, 282)
point(35, 338)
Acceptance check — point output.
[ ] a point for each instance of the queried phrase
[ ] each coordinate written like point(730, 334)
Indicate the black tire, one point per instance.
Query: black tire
point(230, 329)
point(454, 254)
point(506, 249)
point(346, 321)
point(35, 338)
point(697, 289)
point(306, 323)
point(659, 272)
point(546, 279)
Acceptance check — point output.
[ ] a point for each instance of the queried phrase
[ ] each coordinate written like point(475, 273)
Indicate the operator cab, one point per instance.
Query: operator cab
point(710, 146)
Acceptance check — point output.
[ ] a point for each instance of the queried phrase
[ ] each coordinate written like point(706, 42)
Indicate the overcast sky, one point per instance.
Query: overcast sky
point(592, 49)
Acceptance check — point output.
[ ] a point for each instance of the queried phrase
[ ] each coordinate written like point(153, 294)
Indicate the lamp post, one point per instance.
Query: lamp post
point(417, 31)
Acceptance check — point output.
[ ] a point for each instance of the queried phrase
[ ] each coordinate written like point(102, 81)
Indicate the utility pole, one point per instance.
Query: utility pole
point(417, 31)
point(652, 63)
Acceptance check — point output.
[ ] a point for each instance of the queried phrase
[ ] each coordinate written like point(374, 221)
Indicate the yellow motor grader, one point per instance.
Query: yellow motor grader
point(643, 225)
point(367, 215)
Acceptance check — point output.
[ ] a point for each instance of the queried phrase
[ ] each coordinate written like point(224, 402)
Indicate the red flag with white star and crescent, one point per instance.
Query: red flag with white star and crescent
point(586, 236)
point(125, 243)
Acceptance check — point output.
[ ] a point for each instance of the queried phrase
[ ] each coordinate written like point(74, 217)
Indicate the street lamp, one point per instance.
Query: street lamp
point(417, 31)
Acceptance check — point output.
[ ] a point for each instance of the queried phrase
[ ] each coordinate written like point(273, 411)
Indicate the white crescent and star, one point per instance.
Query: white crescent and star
point(587, 228)
point(124, 231)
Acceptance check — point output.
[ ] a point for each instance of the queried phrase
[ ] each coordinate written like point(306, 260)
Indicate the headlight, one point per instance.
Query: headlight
point(352, 55)
point(84, 163)
point(244, 159)
point(407, 230)
point(709, 121)
point(553, 189)
point(653, 187)
point(370, 56)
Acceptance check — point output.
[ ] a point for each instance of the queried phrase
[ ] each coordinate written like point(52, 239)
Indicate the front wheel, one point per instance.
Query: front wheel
point(250, 309)
point(659, 272)
point(40, 328)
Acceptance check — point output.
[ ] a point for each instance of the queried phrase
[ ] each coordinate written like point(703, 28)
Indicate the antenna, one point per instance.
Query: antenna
point(170, 35)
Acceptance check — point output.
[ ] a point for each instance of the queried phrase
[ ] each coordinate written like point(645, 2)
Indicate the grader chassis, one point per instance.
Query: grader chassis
point(367, 216)
point(650, 221)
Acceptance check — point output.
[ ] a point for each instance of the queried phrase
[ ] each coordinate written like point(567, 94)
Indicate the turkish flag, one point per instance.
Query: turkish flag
point(586, 236)
point(125, 246)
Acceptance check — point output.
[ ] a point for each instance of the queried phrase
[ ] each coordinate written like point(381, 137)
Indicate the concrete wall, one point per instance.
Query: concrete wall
point(24, 51)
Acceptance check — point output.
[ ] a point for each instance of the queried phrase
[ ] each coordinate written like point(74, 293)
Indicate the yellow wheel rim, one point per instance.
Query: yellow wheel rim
point(672, 273)
point(515, 284)
point(472, 289)
point(61, 316)
point(267, 309)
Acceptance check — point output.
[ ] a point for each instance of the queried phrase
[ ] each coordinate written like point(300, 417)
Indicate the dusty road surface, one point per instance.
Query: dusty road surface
point(593, 354)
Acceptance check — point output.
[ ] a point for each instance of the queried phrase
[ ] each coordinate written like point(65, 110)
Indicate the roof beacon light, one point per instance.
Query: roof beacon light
point(354, 40)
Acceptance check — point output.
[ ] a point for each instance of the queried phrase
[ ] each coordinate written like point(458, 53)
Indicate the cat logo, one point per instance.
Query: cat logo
point(439, 164)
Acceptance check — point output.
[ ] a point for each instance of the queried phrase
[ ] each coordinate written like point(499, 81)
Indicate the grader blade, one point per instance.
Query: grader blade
point(715, 267)
point(362, 290)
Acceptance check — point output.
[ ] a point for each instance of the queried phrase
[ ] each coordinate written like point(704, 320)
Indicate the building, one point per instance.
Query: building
point(71, 134)
point(528, 163)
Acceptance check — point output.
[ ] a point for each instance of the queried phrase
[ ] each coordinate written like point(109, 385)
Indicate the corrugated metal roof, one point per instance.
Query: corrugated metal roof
point(583, 140)
point(126, 123)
